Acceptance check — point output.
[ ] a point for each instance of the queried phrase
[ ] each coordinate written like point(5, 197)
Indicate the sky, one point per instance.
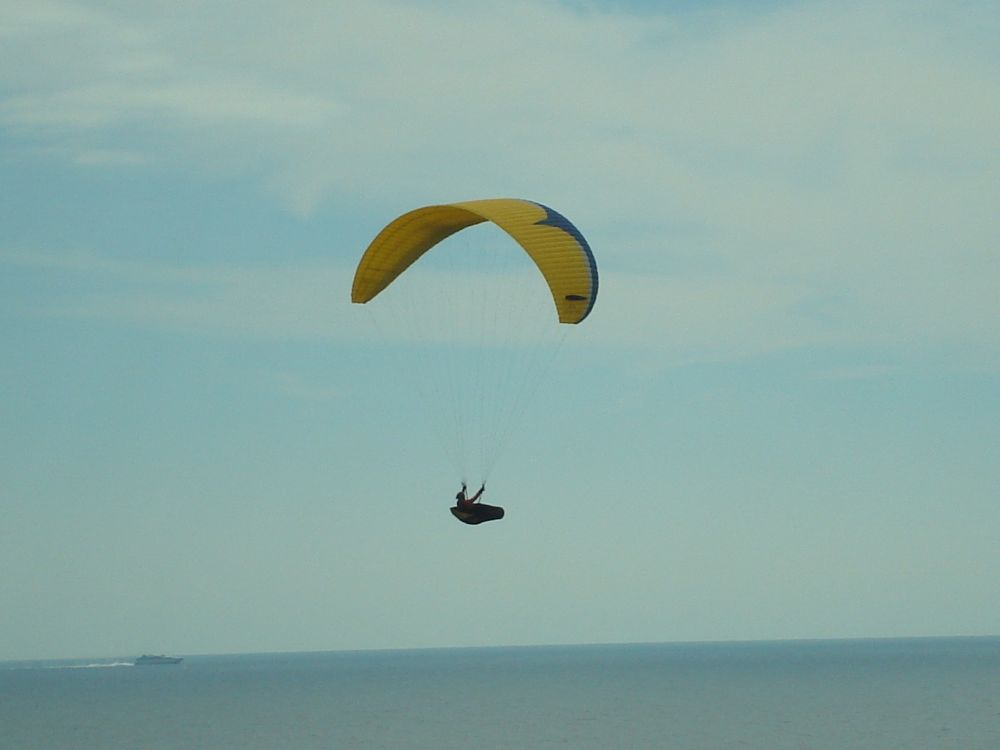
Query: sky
point(780, 420)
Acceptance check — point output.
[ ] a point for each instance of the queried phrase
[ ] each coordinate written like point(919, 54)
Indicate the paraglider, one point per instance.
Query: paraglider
point(469, 510)
point(557, 249)
point(553, 243)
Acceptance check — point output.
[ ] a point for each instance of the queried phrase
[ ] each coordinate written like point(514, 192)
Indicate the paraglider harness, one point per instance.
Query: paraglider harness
point(467, 510)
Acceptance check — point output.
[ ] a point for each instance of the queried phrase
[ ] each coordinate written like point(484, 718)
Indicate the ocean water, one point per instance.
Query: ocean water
point(922, 694)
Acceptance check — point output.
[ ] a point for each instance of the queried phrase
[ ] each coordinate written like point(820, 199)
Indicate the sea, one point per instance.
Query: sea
point(915, 694)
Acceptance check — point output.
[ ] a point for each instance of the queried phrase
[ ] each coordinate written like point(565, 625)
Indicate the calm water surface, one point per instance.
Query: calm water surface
point(926, 694)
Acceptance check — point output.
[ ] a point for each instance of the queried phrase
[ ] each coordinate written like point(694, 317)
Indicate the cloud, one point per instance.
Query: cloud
point(108, 157)
point(721, 116)
point(296, 386)
point(667, 320)
point(809, 173)
point(249, 301)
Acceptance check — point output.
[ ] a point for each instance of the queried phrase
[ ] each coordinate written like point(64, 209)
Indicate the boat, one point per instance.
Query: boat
point(146, 659)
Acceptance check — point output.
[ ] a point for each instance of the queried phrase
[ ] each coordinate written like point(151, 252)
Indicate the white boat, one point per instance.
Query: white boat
point(157, 659)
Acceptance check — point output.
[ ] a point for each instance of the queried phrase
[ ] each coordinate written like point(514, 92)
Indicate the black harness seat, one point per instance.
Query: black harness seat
point(477, 513)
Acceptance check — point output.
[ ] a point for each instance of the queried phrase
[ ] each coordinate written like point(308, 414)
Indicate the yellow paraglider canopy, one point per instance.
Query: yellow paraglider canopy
point(553, 243)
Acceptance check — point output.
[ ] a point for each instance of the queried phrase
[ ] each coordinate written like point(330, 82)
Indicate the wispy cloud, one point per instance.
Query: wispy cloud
point(678, 115)
point(665, 319)
point(296, 386)
point(251, 301)
point(810, 173)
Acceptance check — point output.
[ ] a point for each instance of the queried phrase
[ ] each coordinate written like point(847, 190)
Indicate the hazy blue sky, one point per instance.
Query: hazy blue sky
point(782, 419)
